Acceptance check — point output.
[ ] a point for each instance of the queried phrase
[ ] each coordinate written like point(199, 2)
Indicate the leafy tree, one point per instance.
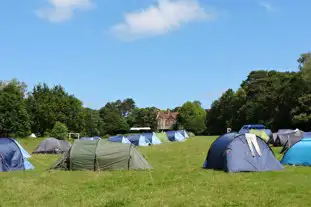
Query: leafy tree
point(14, 118)
point(59, 131)
point(192, 117)
point(49, 105)
point(125, 107)
point(112, 121)
point(144, 117)
point(93, 122)
point(305, 66)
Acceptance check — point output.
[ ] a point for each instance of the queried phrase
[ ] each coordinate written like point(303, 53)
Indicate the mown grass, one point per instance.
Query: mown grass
point(177, 179)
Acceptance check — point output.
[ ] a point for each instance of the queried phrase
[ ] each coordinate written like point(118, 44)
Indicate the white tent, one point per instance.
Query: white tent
point(33, 135)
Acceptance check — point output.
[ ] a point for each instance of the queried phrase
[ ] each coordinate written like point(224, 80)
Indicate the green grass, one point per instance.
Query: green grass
point(177, 179)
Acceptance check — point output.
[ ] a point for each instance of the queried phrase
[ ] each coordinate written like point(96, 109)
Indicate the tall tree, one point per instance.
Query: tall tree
point(14, 118)
point(49, 105)
point(144, 117)
point(192, 117)
point(93, 122)
point(113, 121)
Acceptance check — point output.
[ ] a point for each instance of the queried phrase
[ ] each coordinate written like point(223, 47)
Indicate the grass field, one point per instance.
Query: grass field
point(177, 179)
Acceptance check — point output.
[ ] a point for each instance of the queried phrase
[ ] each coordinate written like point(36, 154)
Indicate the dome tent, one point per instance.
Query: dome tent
point(175, 136)
point(233, 153)
point(52, 146)
point(138, 140)
point(299, 154)
point(152, 138)
point(101, 155)
point(12, 156)
point(119, 138)
point(32, 135)
point(184, 133)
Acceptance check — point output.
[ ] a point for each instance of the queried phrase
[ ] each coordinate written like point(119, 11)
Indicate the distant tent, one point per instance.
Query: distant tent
point(120, 138)
point(90, 138)
point(162, 136)
point(236, 152)
point(52, 146)
point(32, 135)
point(248, 127)
point(138, 140)
point(175, 136)
point(152, 138)
point(260, 133)
point(101, 155)
point(184, 133)
point(286, 138)
point(13, 156)
point(298, 154)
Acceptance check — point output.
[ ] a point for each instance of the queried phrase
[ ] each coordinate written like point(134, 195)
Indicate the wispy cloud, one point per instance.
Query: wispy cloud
point(160, 18)
point(63, 10)
point(268, 6)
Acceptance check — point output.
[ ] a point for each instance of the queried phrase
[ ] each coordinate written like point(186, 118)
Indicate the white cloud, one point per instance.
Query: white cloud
point(268, 7)
point(63, 10)
point(160, 18)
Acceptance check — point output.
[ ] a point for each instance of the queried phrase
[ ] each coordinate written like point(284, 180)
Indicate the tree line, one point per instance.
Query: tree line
point(275, 99)
point(48, 111)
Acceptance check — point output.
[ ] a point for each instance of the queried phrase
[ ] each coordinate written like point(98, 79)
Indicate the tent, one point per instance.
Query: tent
point(90, 138)
point(120, 138)
point(52, 146)
point(32, 135)
point(246, 128)
point(175, 136)
point(101, 155)
point(13, 156)
point(152, 138)
point(286, 138)
point(184, 133)
point(298, 154)
point(260, 133)
point(233, 153)
point(138, 140)
point(162, 137)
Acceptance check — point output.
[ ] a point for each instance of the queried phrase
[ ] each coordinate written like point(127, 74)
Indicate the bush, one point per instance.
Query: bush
point(59, 131)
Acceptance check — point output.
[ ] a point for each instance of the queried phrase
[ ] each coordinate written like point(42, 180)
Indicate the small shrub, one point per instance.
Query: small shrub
point(59, 131)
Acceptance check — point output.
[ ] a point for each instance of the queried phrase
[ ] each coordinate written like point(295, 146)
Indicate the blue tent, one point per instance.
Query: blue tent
point(175, 136)
point(299, 153)
point(90, 138)
point(121, 139)
point(152, 138)
point(184, 133)
point(12, 157)
point(138, 140)
point(231, 153)
point(307, 135)
point(246, 128)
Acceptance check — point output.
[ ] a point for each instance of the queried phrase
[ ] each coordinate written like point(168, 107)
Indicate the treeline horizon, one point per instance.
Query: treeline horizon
point(275, 99)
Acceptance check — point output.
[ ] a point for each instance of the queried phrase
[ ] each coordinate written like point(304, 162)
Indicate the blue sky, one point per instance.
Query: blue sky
point(159, 52)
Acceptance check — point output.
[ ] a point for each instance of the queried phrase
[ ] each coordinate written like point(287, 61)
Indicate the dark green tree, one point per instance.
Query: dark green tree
point(14, 118)
point(49, 105)
point(144, 117)
point(93, 122)
point(112, 121)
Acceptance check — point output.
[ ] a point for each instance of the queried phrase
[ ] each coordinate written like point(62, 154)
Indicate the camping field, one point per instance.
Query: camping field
point(177, 179)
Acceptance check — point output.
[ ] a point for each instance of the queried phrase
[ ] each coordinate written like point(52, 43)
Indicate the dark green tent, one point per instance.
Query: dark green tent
point(101, 155)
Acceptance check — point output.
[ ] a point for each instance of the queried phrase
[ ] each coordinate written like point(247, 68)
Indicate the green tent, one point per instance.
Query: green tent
point(260, 133)
point(100, 155)
point(162, 137)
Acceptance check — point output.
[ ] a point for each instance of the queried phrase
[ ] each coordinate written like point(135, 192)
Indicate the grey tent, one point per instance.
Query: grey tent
point(100, 155)
point(52, 146)
point(286, 137)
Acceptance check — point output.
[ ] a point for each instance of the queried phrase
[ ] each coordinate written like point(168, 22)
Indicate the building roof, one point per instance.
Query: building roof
point(167, 115)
